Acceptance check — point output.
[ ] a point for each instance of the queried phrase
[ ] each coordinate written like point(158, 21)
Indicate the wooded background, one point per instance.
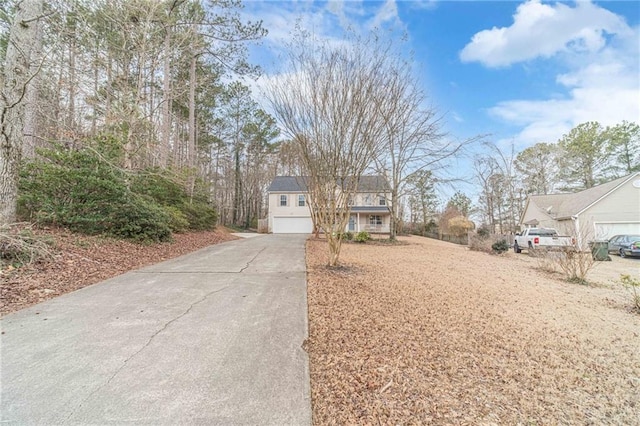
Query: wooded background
point(165, 83)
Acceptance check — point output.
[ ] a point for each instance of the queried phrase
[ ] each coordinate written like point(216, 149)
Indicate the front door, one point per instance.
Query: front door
point(352, 223)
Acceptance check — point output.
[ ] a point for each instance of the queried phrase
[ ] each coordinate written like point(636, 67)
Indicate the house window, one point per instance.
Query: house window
point(283, 201)
point(382, 201)
point(301, 201)
point(375, 220)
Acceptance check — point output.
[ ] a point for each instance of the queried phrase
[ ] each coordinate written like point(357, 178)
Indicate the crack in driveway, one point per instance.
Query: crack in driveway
point(160, 330)
point(148, 342)
point(252, 259)
point(241, 270)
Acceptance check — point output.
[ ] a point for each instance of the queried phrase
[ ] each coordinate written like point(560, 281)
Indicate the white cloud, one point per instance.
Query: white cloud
point(387, 13)
point(543, 30)
point(456, 117)
point(603, 87)
point(424, 4)
point(336, 7)
point(597, 57)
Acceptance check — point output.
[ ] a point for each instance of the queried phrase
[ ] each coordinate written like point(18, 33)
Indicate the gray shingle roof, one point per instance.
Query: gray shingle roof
point(369, 209)
point(563, 206)
point(374, 183)
point(288, 184)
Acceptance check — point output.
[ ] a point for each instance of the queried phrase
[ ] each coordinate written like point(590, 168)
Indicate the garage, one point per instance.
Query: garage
point(292, 225)
point(606, 230)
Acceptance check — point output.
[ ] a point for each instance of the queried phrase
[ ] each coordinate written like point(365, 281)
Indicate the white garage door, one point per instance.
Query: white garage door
point(292, 225)
point(605, 230)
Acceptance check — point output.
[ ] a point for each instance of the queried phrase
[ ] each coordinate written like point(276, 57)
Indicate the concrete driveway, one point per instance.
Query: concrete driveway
point(214, 337)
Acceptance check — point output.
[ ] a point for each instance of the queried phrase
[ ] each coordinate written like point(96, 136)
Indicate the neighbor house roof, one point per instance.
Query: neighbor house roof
point(367, 183)
point(564, 206)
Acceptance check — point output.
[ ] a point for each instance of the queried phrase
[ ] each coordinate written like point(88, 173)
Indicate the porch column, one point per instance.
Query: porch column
point(358, 223)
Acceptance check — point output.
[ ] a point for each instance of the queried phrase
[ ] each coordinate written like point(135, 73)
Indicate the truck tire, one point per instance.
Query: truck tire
point(516, 248)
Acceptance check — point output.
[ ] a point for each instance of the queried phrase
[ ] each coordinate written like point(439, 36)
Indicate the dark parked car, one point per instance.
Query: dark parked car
point(625, 245)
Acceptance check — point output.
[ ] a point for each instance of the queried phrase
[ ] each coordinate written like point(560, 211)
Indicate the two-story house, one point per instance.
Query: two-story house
point(289, 211)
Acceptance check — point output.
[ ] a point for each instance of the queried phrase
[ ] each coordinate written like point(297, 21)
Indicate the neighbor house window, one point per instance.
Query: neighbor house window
point(283, 201)
point(382, 201)
point(301, 201)
point(375, 220)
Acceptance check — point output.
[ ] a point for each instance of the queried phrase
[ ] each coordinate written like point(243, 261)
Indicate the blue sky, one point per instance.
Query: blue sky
point(524, 72)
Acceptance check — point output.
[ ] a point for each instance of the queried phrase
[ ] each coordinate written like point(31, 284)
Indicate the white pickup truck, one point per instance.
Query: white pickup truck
point(533, 238)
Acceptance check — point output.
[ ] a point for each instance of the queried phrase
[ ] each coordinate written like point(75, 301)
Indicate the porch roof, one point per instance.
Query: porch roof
point(370, 209)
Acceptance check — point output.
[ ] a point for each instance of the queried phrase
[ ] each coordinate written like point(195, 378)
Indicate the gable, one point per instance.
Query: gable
point(564, 206)
point(622, 204)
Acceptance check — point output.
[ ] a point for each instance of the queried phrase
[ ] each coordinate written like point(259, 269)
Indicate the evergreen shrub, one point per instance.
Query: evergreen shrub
point(362, 237)
point(85, 190)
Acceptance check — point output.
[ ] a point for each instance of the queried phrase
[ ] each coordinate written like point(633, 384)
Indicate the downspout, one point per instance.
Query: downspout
point(576, 225)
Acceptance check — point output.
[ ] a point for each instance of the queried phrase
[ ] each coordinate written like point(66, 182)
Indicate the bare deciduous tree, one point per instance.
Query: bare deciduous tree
point(413, 138)
point(328, 103)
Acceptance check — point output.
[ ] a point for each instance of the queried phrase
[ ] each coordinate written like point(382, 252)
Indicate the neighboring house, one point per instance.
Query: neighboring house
point(289, 211)
point(596, 213)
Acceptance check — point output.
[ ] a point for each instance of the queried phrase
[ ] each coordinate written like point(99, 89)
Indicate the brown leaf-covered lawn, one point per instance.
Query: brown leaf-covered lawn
point(430, 332)
point(81, 260)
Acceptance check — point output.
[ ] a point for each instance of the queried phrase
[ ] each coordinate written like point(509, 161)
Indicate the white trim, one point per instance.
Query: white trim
point(617, 221)
point(612, 222)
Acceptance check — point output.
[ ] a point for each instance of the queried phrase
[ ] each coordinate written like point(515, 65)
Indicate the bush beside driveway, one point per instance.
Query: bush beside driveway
point(432, 332)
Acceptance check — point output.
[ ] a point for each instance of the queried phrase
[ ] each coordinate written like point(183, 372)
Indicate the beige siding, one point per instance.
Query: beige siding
point(366, 199)
point(619, 206)
point(360, 199)
point(292, 209)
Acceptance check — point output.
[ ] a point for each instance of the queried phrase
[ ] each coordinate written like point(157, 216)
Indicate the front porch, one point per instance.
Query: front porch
point(372, 219)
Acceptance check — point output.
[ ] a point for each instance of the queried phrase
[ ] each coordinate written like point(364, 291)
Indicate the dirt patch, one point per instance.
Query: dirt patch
point(81, 260)
point(430, 332)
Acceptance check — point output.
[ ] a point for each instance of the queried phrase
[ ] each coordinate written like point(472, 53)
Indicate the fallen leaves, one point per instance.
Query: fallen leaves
point(429, 332)
point(82, 260)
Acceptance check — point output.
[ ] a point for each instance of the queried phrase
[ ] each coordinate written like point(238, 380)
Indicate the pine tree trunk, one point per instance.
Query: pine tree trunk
point(71, 86)
point(166, 103)
point(192, 112)
point(237, 186)
point(16, 76)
